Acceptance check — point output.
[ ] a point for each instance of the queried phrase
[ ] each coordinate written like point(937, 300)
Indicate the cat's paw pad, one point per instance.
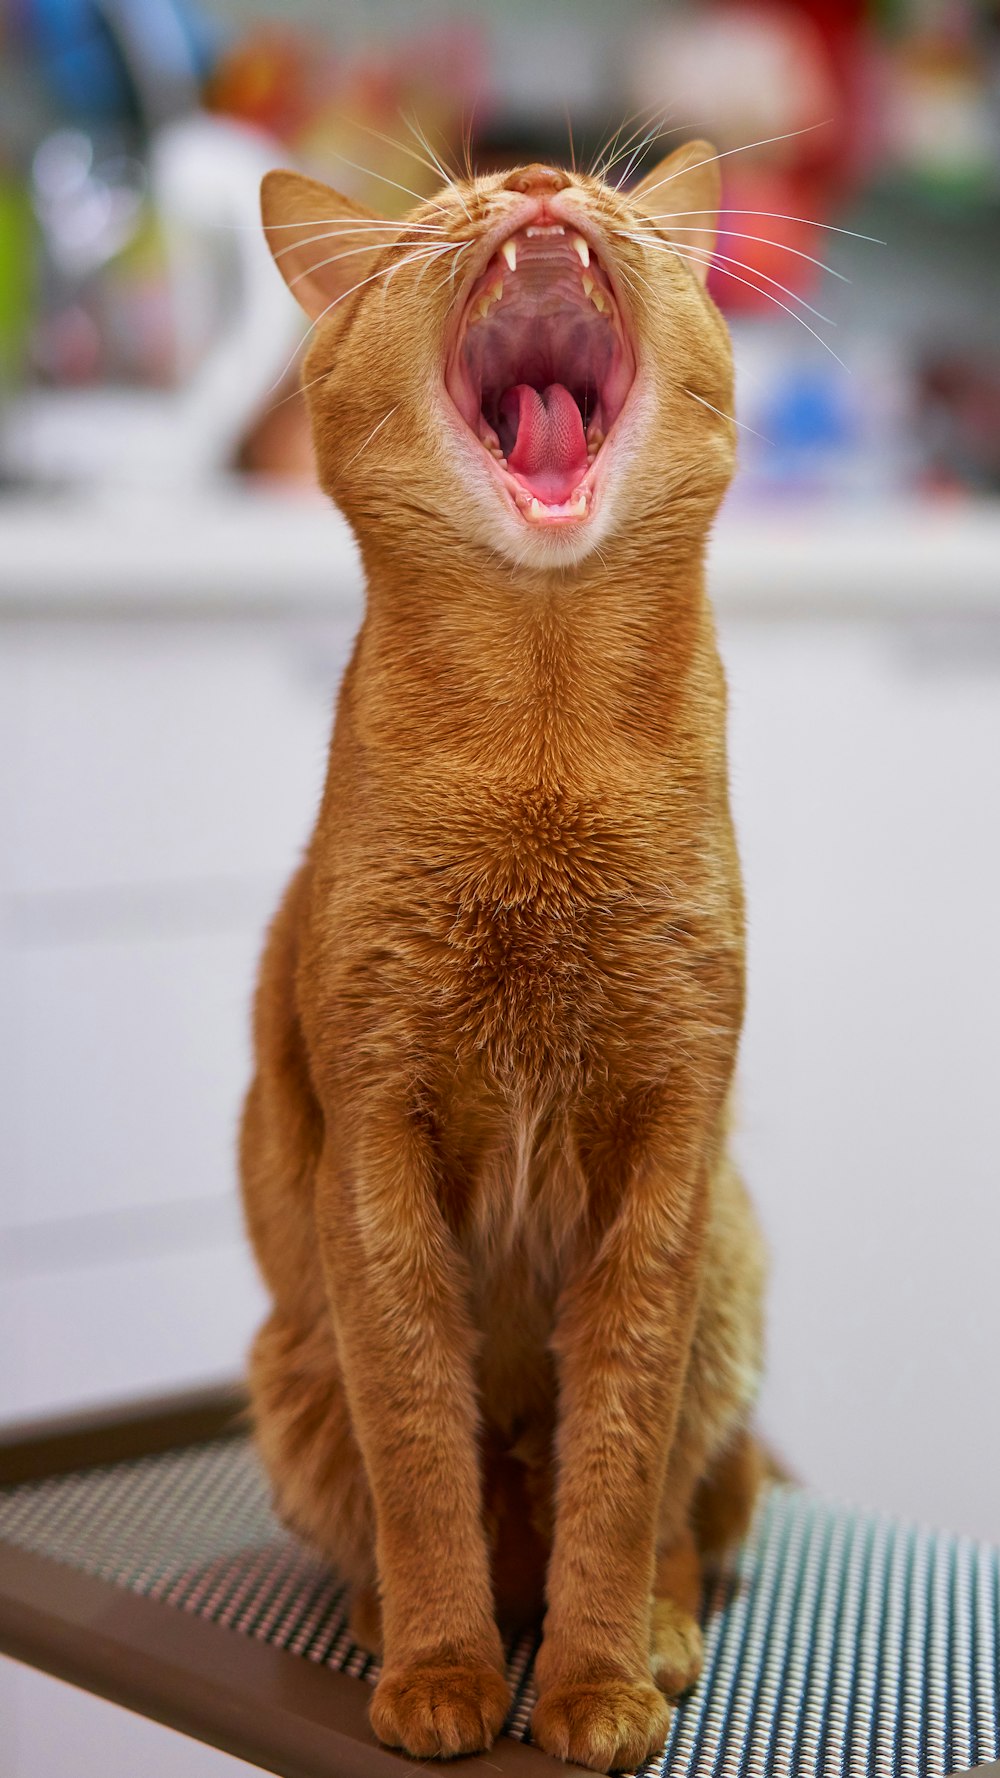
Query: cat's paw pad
point(611, 1725)
point(677, 1648)
point(438, 1712)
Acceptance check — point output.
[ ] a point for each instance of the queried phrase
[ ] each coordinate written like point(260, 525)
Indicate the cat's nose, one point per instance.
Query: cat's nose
point(538, 178)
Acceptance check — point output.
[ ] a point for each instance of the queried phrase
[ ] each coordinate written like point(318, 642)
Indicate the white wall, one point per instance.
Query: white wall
point(866, 777)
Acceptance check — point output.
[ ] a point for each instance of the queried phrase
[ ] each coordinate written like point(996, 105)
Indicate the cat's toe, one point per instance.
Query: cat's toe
point(610, 1725)
point(438, 1712)
point(677, 1648)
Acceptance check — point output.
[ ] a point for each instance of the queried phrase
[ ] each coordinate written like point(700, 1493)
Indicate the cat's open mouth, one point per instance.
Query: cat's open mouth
point(540, 369)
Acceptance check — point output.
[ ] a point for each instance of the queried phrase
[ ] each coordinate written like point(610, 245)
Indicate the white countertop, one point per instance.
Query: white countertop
point(240, 546)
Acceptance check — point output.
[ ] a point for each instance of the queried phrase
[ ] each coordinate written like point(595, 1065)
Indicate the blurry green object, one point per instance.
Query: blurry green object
point(17, 276)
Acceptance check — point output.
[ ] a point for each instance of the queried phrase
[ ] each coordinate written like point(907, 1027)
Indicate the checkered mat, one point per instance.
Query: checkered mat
point(836, 1643)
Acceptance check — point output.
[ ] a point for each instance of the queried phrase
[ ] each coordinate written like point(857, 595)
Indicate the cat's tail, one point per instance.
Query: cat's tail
point(726, 1496)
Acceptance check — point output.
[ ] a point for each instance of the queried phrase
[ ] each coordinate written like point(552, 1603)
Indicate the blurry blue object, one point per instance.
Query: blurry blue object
point(810, 412)
point(110, 59)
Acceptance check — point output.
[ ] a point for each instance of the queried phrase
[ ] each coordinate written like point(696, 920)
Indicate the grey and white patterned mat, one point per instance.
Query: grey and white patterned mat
point(839, 1645)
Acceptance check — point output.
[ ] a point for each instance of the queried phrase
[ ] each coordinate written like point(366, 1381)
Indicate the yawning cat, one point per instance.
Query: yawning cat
point(516, 1281)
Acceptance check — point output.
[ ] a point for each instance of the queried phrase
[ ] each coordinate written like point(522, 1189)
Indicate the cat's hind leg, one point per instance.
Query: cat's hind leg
point(306, 1441)
point(676, 1646)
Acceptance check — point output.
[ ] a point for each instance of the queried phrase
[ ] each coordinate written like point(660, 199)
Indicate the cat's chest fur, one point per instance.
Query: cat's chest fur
point(550, 918)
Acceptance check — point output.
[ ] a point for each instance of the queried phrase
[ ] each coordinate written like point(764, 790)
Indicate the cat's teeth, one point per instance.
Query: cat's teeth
point(509, 252)
point(496, 289)
point(578, 506)
point(581, 249)
point(588, 284)
point(595, 440)
point(536, 509)
point(598, 300)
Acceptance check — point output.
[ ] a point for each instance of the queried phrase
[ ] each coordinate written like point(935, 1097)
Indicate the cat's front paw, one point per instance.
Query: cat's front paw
point(612, 1725)
point(438, 1712)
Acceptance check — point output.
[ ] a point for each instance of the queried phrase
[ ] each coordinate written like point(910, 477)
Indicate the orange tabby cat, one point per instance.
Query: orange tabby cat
point(516, 1280)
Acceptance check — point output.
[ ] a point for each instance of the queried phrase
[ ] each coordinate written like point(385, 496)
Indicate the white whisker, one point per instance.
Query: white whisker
point(370, 173)
point(738, 234)
point(722, 416)
point(450, 182)
point(695, 257)
point(352, 252)
point(614, 149)
point(649, 137)
point(371, 435)
point(352, 224)
point(744, 148)
point(772, 216)
point(711, 256)
point(382, 273)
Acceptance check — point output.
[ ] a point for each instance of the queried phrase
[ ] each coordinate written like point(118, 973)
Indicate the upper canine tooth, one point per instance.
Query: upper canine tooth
point(581, 249)
point(509, 252)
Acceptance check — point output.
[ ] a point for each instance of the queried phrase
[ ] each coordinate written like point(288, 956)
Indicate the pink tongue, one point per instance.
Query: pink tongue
point(550, 449)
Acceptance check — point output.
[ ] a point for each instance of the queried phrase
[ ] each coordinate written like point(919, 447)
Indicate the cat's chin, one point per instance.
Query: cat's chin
point(537, 376)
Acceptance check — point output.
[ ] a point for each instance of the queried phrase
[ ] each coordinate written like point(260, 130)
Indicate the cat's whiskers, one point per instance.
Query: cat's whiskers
point(699, 257)
point(637, 152)
point(352, 253)
point(429, 160)
point(738, 234)
point(371, 173)
point(613, 148)
point(724, 416)
point(724, 154)
point(451, 180)
point(569, 134)
point(829, 228)
point(383, 272)
point(375, 429)
point(356, 222)
point(711, 256)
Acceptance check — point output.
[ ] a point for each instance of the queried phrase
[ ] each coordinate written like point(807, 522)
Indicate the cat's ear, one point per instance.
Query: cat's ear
point(685, 187)
point(323, 244)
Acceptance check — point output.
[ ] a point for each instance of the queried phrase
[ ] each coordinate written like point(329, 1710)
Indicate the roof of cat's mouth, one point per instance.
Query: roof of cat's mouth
point(540, 368)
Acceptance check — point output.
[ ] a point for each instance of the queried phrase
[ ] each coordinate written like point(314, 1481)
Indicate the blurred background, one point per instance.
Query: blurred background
point(176, 606)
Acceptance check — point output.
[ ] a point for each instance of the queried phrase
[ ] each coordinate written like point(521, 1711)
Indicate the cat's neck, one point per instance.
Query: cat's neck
point(538, 679)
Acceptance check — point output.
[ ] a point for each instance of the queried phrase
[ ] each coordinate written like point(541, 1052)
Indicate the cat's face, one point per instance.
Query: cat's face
point(524, 366)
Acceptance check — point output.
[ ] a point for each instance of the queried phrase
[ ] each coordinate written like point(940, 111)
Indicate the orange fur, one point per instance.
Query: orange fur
point(516, 1281)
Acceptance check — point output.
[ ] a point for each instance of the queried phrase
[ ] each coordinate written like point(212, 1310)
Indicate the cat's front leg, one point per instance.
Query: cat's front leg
point(622, 1342)
point(399, 1294)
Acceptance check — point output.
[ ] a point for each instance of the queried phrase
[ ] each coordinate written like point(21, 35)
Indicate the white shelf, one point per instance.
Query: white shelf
point(246, 548)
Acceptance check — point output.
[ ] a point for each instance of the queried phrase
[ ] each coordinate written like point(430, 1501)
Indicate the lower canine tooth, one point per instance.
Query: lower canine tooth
point(536, 509)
